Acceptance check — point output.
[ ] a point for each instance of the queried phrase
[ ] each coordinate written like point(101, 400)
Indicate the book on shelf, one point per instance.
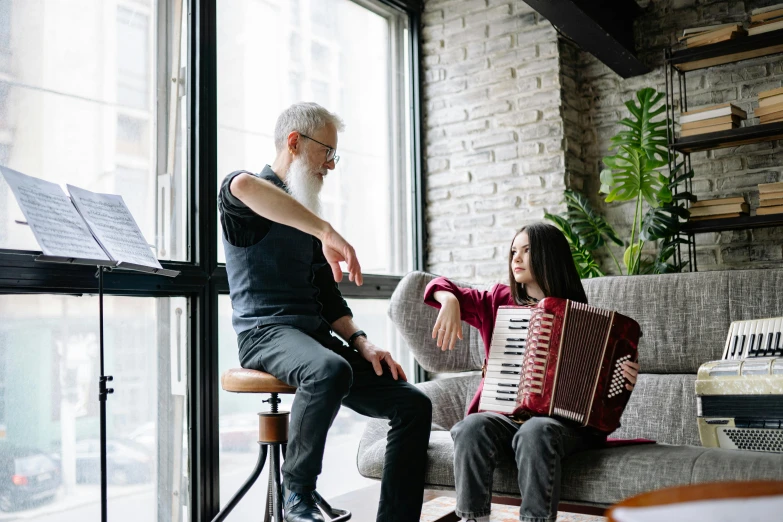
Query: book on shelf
point(718, 201)
point(693, 31)
point(706, 130)
point(766, 211)
point(770, 100)
point(772, 116)
point(770, 93)
point(698, 36)
point(770, 187)
point(713, 111)
point(732, 118)
point(719, 210)
point(771, 195)
point(719, 216)
point(775, 11)
point(83, 228)
point(720, 35)
point(766, 27)
point(767, 9)
point(768, 110)
point(770, 202)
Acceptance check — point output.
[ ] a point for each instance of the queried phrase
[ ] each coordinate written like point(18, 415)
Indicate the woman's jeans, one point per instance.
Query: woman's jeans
point(481, 440)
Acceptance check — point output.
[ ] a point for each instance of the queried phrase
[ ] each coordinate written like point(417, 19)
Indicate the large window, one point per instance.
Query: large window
point(79, 105)
point(49, 431)
point(157, 100)
point(84, 100)
point(352, 59)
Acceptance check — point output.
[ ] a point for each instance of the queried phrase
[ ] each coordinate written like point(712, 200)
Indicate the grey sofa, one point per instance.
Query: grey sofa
point(684, 319)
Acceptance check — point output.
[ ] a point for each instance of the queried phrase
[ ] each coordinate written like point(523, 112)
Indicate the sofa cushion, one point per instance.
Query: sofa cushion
point(661, 408)
point(600, 477)
point(684, 317)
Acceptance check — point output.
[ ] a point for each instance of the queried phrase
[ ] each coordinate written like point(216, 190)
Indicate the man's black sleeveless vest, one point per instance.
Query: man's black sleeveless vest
point(271, 282)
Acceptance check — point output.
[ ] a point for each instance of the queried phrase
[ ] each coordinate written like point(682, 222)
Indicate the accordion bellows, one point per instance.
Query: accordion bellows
point(560, 358)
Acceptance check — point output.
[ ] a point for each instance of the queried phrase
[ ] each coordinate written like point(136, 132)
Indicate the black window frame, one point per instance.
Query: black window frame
point(202, 279)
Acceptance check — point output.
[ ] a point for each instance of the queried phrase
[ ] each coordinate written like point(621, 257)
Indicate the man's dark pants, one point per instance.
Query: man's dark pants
point(327, 374)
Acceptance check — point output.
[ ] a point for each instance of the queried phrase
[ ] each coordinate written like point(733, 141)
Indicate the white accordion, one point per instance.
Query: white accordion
point(740, 398)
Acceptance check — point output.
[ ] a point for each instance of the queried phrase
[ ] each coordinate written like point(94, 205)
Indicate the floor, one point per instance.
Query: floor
point(363, 503)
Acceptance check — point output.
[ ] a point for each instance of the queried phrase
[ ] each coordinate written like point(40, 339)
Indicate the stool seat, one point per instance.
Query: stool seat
point(242, 380)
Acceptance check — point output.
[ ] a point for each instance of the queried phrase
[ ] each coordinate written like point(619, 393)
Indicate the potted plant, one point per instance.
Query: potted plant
point(632, 173)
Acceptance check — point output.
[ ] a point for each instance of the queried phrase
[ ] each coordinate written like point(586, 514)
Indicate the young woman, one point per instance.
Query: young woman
point(540, 265)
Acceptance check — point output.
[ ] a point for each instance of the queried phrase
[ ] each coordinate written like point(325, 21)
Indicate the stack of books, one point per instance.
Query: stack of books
point(766, 19)
point(770, 106)
point(710, 34)
point(770, 199)
point(711, 119)
point(719, 208)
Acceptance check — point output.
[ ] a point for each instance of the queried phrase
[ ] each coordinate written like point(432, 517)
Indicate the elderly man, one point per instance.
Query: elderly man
point(283, 263)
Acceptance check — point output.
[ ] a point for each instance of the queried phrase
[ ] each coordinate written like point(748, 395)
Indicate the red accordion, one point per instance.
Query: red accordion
point(560, 358)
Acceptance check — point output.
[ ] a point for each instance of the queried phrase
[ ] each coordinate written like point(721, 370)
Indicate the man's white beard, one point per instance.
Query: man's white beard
point(304, 184)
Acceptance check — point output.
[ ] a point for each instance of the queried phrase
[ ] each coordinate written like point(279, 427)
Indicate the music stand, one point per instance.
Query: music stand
point(103, 390)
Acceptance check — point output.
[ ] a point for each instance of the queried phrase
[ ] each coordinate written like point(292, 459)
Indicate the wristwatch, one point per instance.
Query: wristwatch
point(357, 333)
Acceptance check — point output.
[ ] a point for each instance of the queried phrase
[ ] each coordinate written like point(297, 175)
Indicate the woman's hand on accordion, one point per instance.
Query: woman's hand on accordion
point(630, 372)
point(448, 326)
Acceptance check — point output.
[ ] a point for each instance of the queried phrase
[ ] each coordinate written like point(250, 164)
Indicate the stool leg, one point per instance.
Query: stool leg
point(245, 487)
point(268, 512)
point(274, 470)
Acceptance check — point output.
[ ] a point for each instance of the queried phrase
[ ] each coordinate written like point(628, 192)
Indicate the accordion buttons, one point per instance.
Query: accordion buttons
point(617, 385)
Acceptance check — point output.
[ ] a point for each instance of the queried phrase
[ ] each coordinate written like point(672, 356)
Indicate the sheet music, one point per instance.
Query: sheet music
point(113, 226)
point(54, 221)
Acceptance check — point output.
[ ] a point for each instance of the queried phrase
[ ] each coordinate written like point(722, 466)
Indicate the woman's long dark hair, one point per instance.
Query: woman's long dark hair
point(551, 265)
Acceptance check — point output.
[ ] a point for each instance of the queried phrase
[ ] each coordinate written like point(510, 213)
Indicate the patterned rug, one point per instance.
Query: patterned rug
point(440, 506)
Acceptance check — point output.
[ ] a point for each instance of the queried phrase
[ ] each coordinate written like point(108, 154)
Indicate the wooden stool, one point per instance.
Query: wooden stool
point(272, 439)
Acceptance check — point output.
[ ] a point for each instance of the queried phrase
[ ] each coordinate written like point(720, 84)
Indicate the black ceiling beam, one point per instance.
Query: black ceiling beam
point(604, 28)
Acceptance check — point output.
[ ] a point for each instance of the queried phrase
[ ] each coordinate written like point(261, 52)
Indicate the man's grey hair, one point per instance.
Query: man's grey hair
point(305, 118)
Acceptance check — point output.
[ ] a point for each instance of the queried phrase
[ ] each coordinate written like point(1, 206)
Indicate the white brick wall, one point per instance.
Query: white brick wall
point(494, 134)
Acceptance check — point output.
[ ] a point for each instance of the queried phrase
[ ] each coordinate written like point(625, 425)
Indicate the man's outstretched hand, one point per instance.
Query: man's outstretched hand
point(380, 358)
point(337, 249)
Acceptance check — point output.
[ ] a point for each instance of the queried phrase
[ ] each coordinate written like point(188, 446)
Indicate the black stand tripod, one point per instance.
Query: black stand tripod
point(103, 393)
point(103, 390)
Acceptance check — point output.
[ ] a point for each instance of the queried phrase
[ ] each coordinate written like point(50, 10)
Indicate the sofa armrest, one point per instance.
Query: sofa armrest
point(450, 398)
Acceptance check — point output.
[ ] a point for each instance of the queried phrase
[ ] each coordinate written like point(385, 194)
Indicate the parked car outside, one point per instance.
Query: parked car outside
point(27, 475)
point(126, 462)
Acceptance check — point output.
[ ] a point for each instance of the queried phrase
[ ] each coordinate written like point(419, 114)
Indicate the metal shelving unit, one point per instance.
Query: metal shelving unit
point(676, 64)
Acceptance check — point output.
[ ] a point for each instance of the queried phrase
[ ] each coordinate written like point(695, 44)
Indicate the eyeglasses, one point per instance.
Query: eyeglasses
point(331, 154)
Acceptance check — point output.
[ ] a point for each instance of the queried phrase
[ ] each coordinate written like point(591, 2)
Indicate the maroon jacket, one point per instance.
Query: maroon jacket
point(477, 308)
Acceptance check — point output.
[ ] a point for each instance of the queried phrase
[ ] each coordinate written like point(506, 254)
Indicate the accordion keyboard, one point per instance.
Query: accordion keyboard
point(754, 338)
point(506, 360)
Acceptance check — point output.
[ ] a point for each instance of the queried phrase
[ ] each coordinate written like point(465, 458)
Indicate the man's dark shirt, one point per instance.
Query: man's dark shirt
point(243, 228)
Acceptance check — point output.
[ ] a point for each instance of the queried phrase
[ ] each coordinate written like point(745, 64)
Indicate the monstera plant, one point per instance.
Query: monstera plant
point(633, 173)
point(586, 231)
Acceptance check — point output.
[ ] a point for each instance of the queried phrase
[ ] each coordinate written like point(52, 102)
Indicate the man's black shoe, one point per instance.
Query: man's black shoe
point(301, 508)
